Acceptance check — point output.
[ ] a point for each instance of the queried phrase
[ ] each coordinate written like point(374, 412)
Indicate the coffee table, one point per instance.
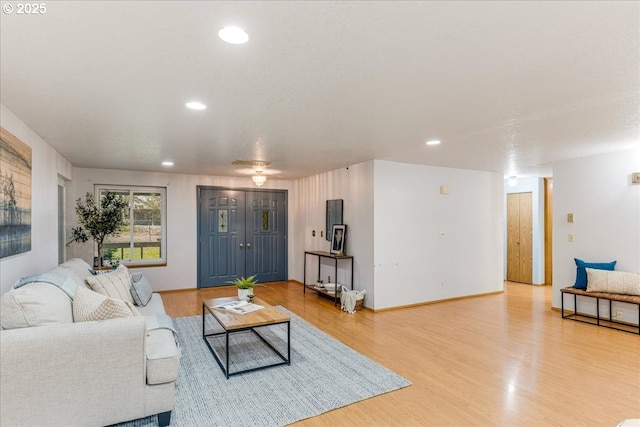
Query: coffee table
point(232, 323)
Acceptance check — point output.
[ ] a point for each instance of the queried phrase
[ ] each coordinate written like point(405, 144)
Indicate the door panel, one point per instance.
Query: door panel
point(513, 237)
point(548, 231)
point(520, 237)
point(243, 234)
point(526, 238)
point(221, 225)
point(267, 225)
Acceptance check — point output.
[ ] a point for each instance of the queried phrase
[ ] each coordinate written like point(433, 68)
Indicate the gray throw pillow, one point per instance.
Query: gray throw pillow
point(141, 291)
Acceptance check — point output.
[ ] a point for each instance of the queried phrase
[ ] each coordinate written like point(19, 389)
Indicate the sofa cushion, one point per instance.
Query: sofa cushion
point(116, 284)
point(78, 266)
point(141, 290)
point(163, 357)
point(89, 305)
point(614, 282)
point(153, 307)
point(35, 304)
point(581, 274)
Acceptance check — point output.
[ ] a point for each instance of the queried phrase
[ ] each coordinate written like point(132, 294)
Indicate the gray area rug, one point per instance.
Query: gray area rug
point(324, 374)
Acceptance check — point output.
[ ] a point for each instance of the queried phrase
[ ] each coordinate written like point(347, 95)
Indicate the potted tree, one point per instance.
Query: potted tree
point(97, 221)
point(245, 287)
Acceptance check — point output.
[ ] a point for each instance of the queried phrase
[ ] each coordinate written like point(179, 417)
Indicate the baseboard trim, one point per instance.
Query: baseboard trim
point(398, 307)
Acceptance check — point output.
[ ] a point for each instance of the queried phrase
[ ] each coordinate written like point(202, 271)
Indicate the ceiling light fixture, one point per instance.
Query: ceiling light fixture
point(195, 105)
point(233, 35)
point(433, 142)
point(167, 163)
point(259, 179)
point(512, 181)
point(251, 163)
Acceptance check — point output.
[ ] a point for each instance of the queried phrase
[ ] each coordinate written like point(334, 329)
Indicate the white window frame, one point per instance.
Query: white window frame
point(163, 219)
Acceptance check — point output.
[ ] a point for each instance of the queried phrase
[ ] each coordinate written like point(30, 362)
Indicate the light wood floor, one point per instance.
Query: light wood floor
point(499, 360)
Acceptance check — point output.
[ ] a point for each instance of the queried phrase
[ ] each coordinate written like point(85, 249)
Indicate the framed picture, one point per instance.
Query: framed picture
point(15, 195)
point(338, 237)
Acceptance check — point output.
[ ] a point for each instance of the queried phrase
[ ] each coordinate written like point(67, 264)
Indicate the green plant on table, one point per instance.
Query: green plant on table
point(245, 282)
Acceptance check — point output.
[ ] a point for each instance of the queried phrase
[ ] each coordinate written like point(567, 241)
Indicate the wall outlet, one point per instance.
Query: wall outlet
point(617, 314)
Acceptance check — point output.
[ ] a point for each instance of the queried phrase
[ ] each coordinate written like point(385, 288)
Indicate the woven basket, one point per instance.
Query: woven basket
point(359, 304)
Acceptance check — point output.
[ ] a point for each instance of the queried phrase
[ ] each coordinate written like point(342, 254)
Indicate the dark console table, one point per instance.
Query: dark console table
point(336, 259)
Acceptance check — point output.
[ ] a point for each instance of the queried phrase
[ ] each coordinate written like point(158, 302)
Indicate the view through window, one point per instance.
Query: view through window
point(142, 239)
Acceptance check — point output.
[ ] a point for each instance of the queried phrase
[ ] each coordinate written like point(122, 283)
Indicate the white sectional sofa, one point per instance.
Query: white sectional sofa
point(55, 371)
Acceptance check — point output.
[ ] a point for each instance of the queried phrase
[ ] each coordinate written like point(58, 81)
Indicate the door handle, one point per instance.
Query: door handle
point(248, 245)
point(241, 246)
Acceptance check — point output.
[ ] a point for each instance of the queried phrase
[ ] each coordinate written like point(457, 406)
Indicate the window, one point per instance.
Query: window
point(142, 239)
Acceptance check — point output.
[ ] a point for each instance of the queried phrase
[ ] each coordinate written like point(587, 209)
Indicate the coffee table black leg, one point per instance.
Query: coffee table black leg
point(227, 362)
point(289, 343)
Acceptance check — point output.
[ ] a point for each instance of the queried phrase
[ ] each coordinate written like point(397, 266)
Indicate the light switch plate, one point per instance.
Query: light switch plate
point(635, 177)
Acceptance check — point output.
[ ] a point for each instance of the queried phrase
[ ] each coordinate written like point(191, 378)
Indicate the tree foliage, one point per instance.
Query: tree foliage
point(98, 221)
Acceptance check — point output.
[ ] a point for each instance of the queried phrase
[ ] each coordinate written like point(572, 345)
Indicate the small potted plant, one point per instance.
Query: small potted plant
point(245, 287)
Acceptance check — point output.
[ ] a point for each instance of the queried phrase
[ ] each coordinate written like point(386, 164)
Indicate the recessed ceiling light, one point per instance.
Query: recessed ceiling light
point(194, 105)
point(167, 163)
point(233, 35)
point(433, 142)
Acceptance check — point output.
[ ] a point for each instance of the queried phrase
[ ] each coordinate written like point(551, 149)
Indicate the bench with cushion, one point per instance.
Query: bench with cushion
point(606, 285)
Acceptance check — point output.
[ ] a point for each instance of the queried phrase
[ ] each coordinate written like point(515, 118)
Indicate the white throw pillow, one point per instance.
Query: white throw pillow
point(89, 305)
point(615, 282)
point(116, 284)
point(35, 304)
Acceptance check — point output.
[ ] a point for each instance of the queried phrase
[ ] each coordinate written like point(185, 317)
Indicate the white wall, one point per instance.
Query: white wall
point(355, 187)
point(47, 165)
point(429, 246)
point(536, 187)
point(606, 207)
point(182, 249)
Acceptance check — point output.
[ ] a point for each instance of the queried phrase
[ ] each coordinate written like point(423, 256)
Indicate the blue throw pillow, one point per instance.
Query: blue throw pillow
point(141, 291)
point(581, 273)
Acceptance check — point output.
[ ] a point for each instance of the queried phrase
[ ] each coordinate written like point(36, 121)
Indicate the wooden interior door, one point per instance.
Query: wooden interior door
point(548, 231)
point(520, 237)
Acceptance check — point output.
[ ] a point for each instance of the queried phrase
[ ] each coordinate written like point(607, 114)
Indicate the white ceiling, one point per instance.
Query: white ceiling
point(506, 86)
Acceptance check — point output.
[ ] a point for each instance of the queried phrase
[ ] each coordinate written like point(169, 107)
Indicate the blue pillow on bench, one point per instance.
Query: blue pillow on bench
point(581, 273)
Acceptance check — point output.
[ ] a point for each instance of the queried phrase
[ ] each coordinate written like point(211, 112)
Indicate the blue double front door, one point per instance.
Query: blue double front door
point(241, 233)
